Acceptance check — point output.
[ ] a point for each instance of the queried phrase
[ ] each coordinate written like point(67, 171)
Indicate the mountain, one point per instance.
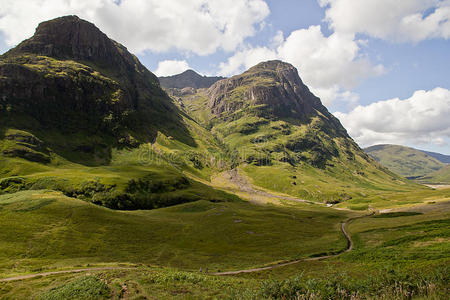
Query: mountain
point(441, 176)
point(80, 114)
point(440, 157)
point(405, 161)
point(188, 78)
point(71, 78)
point(282, 137)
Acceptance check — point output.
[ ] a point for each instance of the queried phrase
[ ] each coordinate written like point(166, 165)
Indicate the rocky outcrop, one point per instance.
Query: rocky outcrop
point(274, 88)
point(72, 38)
point(71, 77)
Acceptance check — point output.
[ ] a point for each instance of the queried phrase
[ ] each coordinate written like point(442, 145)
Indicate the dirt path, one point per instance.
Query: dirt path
point(60, 272)
point(244, 185)
point(349, 248)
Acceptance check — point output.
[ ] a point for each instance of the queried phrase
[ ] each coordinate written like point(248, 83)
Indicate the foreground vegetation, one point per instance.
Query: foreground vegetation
point(400, 254)
point(44, 230)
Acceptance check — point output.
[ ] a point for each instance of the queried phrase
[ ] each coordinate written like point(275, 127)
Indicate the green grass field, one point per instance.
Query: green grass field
point(45, 230)
point(400, 252)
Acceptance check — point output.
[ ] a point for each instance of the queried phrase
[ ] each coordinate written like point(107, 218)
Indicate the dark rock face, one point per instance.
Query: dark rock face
point(188, 78)
point(274, 84)
point(73, 38)
point(59, 101)
point(71, 78)
point(70, 37)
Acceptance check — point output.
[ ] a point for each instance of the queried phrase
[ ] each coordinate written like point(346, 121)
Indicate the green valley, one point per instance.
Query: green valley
point(114, 185)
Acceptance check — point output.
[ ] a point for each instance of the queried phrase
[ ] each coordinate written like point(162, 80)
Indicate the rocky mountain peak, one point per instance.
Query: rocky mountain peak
point(69, 37)
point(274, 86)
point(72, 38)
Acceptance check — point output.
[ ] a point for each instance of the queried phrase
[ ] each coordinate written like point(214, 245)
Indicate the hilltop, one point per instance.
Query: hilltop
point(188, 79)
point(283, 138)
point(80, 114)
point(405, 161)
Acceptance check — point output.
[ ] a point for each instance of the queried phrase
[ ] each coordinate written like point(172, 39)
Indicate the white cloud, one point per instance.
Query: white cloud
point(422, 118)
point(397, 20)
point(330, 66)
point(171, 67)
point(197, 26)
point(244, 59)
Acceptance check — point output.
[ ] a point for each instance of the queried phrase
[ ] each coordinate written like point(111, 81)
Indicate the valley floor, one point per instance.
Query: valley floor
point(175, 253)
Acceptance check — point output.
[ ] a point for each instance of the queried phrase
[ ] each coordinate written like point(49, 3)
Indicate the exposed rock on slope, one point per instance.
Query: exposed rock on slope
point(72, 79)
point(273, 84)
point(273, 91)
point(283, 138)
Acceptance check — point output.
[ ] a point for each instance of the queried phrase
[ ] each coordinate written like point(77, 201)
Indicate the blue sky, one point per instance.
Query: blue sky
point(381, 66)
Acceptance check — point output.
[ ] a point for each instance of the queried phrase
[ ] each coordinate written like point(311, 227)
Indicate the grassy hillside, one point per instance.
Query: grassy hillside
point(92, 122)
point(285, 140)
point(145, 177)
point(405, 161)
point(399, 254)
point(441, 176)
point(46, 230)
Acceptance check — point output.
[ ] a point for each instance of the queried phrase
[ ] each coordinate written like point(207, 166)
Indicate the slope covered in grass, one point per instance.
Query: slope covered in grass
point(284, 139)
point(441, 176)
point(46, 229)
point(397, 255)
point(405, 161)
point(91, 121)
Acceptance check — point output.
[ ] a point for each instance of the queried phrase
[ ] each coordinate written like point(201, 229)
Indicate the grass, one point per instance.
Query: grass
point(43, 229)
point(396, 256)
point(441, 176)
point(405, 161)
point(82, 288)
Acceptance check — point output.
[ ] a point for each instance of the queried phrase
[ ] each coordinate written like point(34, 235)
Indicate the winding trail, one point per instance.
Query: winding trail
point(244, 185)
point(28, 276)
point(349, 248)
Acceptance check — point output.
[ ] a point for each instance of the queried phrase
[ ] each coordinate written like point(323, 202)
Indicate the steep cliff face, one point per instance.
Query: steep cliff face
point(273, 84)
point(75, 39)
point(72, 79)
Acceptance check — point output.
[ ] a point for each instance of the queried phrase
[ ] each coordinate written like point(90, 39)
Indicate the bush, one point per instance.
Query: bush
point(84, 288)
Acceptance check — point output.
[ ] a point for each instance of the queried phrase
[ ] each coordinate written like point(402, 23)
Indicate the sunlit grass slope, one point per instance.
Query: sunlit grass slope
point(45, 230)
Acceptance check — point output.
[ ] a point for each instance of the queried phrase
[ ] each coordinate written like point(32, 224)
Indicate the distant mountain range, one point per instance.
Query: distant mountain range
point(188, 78)
point(412, 163)
point(441, 157)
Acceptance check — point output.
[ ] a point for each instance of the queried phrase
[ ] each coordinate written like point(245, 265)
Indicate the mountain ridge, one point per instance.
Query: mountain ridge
point(406, 161)
point(188, 79)
point(81, 115)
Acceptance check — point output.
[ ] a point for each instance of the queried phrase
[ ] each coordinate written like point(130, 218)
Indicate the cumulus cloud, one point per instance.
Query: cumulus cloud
point(330, 66)
point(422, 118)
point(171, 67)
point(198, 26)
point(246, 58)
point(411, 20)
